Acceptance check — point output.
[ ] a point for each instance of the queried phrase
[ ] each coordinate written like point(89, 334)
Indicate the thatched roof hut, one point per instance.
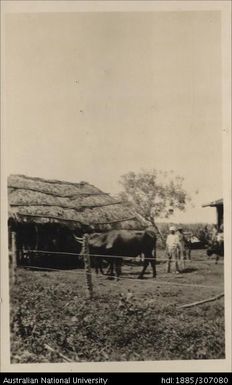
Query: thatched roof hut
point(76, 205)
point(44, 214)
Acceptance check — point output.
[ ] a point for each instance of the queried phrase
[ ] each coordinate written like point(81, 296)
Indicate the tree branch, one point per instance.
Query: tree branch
point(200, 302)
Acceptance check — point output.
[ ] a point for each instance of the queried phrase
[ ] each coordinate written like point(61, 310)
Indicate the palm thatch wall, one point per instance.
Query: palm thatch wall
point(79, 206)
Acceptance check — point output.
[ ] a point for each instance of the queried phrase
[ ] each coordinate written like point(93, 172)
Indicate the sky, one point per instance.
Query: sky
point(92, 96)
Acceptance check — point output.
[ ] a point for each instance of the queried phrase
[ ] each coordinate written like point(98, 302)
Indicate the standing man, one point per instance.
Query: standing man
point(214, 233)
point(172, 246)
point(181, 246)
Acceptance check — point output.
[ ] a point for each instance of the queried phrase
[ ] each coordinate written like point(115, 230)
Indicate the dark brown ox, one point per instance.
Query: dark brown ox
point(117, 244)
point(216, 248)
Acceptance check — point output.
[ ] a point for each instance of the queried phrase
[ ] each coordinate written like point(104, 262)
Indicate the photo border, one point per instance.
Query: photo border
point(223, 365)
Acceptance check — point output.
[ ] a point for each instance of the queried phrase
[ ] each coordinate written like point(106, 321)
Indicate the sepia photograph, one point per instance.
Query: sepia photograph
point(116, 206)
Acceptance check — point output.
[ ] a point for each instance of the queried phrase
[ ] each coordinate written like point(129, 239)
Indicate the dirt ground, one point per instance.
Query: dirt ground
point(200, 279)
point(129, 319)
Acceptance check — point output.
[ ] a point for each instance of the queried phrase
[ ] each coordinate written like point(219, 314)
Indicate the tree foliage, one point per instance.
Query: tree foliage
point(154, 194)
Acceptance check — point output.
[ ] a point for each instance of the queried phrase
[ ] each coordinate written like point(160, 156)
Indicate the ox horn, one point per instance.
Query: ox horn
point(78, 239)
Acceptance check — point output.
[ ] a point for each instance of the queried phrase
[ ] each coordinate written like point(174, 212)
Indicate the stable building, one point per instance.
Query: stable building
point(44, 215)
point(219, 209)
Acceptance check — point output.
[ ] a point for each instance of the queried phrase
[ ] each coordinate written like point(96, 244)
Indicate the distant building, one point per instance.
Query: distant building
point(220, 210)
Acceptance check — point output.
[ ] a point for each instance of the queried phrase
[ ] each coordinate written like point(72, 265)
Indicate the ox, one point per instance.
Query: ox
point(216, 248)
point(123, 243)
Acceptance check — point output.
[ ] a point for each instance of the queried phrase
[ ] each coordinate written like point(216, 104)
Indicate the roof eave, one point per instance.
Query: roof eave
point(216, 203)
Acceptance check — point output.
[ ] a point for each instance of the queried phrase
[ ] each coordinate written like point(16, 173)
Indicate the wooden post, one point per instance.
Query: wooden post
point(85, 251)
point(13, 256)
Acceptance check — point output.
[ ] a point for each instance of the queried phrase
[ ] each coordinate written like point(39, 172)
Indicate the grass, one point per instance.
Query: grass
point(127, 320)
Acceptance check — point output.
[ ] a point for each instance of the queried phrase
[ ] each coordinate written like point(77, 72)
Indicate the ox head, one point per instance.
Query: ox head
point(150, 231)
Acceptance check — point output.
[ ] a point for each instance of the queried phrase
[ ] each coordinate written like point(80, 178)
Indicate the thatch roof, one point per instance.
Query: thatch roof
point(76, 205)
